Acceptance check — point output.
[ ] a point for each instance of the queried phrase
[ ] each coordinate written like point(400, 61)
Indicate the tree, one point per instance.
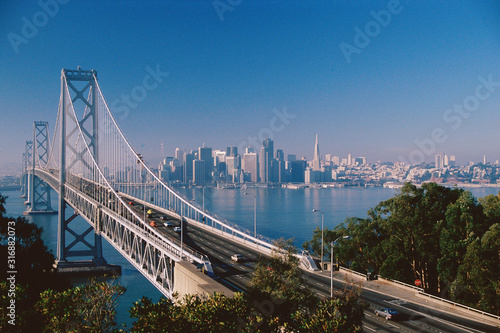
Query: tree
point(463, 223)
point(32, 263)
point(88, 308)
point(278, 289)
point(195, 314)
point(343, 313)
point(412, 222)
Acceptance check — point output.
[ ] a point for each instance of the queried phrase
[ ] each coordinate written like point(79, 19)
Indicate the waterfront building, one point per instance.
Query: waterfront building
point(250, 165)
point(188, 159)
point(205, 154)
point(199, 172)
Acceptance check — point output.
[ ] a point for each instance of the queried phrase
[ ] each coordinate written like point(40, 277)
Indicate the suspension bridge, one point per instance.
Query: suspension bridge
point(94, 170)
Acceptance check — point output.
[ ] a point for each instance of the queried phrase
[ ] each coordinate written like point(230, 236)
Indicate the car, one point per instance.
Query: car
point(388, 313)
point(164, 217)
point(237, 257)
point(131, 203)
point(153, 224)
point(168, 224)
point(177, 229)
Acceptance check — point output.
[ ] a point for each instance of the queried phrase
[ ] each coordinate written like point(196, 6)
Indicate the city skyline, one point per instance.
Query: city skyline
point(389, 80)
point(228, 167)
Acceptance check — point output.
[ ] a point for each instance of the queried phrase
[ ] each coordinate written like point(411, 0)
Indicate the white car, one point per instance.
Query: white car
point(177, 229)
point(237, 257)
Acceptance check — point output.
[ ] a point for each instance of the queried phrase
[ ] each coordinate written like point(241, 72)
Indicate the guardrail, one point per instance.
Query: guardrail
point(459, 305)
point(420, 291)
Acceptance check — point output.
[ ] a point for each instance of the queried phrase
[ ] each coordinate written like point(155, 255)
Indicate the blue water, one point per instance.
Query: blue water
point(280, 213)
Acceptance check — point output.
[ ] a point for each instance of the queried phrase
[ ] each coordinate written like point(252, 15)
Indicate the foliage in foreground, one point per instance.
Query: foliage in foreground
point(32, 262)
point(88, 308)
point(276, 302)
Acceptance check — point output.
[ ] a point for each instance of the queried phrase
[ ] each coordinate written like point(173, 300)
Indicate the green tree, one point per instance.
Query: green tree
point(278, 289)
point(412, 222)
point(477, 283)
point(343, 313)
point(464, 222)
point(216, 313)
point(88, 308)
point(33, 264)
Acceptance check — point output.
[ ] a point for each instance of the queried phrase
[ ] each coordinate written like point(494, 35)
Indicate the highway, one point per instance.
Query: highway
point(237, 276)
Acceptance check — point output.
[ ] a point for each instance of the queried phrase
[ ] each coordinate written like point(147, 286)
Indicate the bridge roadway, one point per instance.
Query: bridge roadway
point(416, 316)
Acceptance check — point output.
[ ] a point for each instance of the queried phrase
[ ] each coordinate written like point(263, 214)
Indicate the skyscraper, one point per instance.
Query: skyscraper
point(265, 156)
point(250, 165)
point(179, 154)
point(199, 171)
point(205, 154)
point(188, 167)
point(317, 157)
point(231, 151)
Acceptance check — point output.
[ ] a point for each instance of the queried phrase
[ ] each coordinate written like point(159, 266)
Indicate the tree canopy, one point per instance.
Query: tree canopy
point(443, 236)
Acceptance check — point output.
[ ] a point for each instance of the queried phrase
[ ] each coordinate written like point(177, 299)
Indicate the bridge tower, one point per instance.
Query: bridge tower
point(37, 155)
point(77, 83)
point(24, 171)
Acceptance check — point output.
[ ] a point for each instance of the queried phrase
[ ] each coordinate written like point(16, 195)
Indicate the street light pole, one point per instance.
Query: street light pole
point(254, 212)
point(331, 264)
point(182, 236)
point(322, 234)
point(331, 271)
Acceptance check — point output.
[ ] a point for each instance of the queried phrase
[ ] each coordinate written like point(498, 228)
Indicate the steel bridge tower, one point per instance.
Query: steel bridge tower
point(80, 82)
point(37, 154)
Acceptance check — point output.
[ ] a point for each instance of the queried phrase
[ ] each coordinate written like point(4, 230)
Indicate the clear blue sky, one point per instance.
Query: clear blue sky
point(227, 76)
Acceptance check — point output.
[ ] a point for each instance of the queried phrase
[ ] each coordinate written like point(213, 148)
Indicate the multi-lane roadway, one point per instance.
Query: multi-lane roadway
point(414, 317)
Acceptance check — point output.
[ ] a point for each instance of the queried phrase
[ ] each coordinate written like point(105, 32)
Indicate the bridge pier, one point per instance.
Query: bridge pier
point(95, 266)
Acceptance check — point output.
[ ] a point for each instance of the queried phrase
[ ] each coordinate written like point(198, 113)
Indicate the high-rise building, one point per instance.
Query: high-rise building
point(179, 154)
point(280, 155)
point(231, 151)
point(484, 159)
point(188, 167)
point(291, 158)
point(439, 161)
point(298, 169)
point(232, 164)
point(205, 154)
point(249, 150)
point(349, 159)
point(199, 172)
point(265, 156)
point(250, 165)
point(316, 165)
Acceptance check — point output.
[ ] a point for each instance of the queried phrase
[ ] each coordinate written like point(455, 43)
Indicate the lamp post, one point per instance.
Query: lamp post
point(331, 264)
point(322, 233)
point(182, 228)
point(254, 212)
